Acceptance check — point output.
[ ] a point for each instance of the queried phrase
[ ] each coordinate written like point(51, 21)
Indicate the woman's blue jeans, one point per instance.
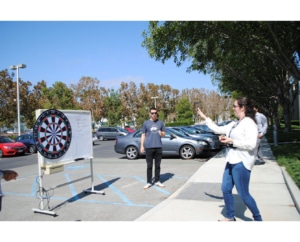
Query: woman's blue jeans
point(237, 175)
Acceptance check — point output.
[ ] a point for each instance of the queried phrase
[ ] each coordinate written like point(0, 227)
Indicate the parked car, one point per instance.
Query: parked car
point(9, 147)
point(94, 138)
point(213, 139)
point(107, 133)
point(28, 140)
point(174, 144)
point(203, 127)
point(130, 130)
point(224, 123)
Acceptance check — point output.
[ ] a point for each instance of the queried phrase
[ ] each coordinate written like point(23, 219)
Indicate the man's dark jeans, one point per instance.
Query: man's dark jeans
point(153, 154)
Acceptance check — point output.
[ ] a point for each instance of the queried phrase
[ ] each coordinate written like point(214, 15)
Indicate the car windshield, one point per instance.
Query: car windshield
point(177, 133)
point(6, 140)
point(204, 128)
point(138, 133)
point(190, 130)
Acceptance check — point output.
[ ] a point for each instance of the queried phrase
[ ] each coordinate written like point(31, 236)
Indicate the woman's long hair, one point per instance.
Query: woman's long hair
point(249, 111)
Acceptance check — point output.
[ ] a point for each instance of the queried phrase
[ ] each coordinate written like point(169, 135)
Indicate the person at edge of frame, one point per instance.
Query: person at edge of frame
point(6, 175)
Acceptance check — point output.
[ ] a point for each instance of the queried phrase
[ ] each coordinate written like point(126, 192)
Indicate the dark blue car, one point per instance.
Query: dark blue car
point(27, 139)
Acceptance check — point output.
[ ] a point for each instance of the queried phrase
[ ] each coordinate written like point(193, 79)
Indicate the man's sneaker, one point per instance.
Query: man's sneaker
point(159, 184)
point(147, 186)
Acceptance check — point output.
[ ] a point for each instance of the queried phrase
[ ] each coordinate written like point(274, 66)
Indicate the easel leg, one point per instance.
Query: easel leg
point(41, 189)
point(91, 190)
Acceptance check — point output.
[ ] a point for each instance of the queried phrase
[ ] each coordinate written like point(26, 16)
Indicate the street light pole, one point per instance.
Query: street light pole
point(154, 101)
point(18, 94)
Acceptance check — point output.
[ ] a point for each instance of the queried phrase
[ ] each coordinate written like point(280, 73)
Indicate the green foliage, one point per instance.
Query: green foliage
point(143, 115)
point(282, 136)
point(287, 152)
point(59, 96)
point(253, 58)
point(295, 122)
point(113, 103)
point(288, 155)
point(184, 111)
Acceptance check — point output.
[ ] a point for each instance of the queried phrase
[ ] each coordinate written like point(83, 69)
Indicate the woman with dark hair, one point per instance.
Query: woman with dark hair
point(240, 138)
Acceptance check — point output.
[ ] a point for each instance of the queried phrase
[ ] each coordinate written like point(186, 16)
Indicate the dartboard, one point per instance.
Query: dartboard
point(52, 134)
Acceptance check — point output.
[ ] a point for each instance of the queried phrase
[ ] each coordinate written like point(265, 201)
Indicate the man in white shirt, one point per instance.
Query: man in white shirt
point(262, 124)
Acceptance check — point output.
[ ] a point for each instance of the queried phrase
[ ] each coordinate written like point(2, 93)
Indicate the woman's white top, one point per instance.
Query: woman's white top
point(244, 135)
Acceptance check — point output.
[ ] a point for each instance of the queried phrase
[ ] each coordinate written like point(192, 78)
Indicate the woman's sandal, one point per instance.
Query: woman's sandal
point(227, 220)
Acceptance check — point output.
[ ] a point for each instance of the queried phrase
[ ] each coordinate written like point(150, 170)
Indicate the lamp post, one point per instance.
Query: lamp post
point(154, 101)
point(18, 95)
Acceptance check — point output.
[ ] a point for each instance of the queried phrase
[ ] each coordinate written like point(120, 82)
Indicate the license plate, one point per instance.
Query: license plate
point(20, 151)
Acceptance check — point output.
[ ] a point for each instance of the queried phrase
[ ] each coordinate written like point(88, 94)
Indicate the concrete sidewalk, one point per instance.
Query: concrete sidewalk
point(200, 199)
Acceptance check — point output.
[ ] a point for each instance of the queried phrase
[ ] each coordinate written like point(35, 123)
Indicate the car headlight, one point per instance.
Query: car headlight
point(202, 143)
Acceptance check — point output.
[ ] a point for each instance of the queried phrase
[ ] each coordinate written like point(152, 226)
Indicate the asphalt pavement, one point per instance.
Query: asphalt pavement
point(195, 206)
point(198, 199)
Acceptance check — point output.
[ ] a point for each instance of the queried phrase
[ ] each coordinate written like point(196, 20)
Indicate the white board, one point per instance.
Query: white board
point(75, 142)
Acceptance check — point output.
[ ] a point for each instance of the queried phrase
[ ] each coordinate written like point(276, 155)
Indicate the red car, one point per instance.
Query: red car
point(9, 147)
point(130, 130)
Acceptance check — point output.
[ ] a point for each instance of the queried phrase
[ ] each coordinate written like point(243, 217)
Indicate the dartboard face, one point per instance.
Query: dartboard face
point(52, 134)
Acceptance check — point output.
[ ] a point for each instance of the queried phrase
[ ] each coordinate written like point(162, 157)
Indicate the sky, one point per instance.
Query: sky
point(110, 51)
point(60, 42)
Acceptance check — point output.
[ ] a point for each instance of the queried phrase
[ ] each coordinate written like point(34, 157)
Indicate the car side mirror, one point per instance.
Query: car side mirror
point(172, 136)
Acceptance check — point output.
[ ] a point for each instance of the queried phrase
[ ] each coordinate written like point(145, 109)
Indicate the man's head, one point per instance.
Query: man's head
point(255, 107)
point(153, 113)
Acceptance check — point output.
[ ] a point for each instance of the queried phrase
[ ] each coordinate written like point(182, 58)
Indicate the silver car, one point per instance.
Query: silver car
point(174, 144)
point(108, 133)
point(190, 131)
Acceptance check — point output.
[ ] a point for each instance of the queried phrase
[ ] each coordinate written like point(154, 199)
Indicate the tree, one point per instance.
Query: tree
point(8, 104)
point(113, 103)
point(88, 96)
point(59, 97)
point(255, 59)
point(129, 101)
point(184, 111)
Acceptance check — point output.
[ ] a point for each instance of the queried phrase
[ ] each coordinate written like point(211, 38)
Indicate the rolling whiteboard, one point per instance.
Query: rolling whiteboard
point(63, 136)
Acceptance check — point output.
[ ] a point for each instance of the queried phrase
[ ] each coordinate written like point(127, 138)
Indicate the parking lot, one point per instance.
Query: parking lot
point(118, 180)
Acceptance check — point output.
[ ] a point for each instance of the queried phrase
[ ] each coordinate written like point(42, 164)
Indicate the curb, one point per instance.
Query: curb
point(292, 188)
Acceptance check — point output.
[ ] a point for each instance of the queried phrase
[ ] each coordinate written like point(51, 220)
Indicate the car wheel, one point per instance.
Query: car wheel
point(132, 152)
point(1, 153)
point(32, 149)
point(187, 152)
point(100, 138)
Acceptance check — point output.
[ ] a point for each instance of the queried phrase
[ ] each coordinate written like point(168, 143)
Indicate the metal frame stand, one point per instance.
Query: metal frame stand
point(42, 190)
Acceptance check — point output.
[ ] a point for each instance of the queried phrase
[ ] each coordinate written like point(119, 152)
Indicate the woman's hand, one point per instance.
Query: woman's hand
point(225, 140)
point(202, 115)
